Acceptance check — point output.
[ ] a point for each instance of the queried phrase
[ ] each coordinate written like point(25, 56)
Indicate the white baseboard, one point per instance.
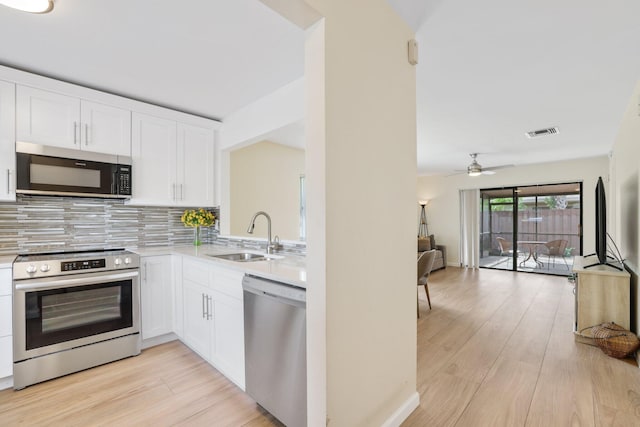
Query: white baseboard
point(403, 412)
point(6, 382)
point(161, 339)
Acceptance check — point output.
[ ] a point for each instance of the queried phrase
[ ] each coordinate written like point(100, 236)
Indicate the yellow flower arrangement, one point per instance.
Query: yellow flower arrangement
point(197, 218)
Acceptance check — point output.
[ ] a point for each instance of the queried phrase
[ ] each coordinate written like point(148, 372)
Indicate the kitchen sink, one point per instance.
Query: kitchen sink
point(241, 257)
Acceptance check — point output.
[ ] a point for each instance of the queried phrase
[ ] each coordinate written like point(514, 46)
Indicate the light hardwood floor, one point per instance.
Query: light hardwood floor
point(495, 350)
point(164, 386)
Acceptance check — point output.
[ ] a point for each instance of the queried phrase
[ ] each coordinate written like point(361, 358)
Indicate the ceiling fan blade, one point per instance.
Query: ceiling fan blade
point(487, 172)
point(493, 168)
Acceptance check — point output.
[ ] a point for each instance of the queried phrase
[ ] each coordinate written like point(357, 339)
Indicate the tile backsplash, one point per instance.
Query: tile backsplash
point(46, 224)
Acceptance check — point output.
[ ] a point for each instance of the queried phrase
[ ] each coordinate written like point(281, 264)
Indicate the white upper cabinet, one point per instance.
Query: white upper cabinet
point(7, 141)
point(173, 163)
point(47, 118)
point(58, 120)
point(105, 129)
point(153, 148)
point(194, 168)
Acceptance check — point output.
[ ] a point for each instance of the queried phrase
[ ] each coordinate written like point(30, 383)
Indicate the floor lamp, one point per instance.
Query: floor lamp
point(423, 231)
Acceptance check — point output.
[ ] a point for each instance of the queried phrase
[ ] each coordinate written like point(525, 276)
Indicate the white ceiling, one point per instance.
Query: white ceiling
point(489, 71)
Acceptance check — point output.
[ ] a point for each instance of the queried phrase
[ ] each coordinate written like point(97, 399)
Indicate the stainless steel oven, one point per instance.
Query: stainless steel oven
point(73, 311)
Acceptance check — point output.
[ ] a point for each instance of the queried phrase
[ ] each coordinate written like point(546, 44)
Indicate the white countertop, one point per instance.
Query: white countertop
point(284, 268)
point(6, 261)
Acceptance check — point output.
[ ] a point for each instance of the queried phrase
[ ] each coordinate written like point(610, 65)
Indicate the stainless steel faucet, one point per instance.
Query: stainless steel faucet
point(252, 224)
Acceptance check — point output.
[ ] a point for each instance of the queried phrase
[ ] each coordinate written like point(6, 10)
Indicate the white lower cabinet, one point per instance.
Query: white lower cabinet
point(227, 336)
point(156, 295)
point(6, 339)
point(197, 326)
point(214, 317)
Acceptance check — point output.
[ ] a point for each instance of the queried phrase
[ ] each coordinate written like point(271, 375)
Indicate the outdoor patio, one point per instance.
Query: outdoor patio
point(558, 268)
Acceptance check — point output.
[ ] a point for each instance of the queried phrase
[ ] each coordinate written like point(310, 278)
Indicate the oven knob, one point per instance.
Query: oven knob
point(44, 268)
point(127, 260)
point(31, 269)
point(117, 261)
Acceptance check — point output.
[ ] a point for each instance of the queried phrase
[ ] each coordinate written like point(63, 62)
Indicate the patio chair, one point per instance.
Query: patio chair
point(556, 248)
point(506, 248)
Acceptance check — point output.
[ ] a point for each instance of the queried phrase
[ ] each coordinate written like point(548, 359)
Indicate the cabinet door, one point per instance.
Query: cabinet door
point(157, 312)
point(602, 298)
point(6, 312)
point(195, 165)
point(47, 118)
point(197, 326)
point(6, 356)
point(227, 340)
point(153, 153)
point(5, 316)
point(7, 141)
point(105, 129)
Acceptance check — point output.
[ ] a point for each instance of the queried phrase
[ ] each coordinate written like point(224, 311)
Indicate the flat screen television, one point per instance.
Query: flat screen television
point(601, 227)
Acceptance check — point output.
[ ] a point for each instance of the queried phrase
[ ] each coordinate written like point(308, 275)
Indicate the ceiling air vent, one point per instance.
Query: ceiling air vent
point(542, 132)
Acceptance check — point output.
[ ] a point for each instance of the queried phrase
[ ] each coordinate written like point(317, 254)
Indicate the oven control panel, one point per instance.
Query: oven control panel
point(38, 266)
point(82, 265)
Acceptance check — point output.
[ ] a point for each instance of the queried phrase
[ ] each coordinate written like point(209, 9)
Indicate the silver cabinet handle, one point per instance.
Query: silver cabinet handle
point(8, 181)
point(86, 134)
point(53, 283)
point(204, 314)
point(144, 270)
point(209, 308)
point(181, 192)
point(75, 133)
point(173, 196)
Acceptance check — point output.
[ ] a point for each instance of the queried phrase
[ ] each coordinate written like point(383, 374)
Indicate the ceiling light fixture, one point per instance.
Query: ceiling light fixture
point(474, 169)
point(33, 6)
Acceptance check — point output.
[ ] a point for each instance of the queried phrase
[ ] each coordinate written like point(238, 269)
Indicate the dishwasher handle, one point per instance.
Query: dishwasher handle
point(275, 290)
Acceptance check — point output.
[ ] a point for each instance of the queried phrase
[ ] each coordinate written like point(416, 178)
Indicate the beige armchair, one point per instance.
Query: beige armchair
point(425, 265)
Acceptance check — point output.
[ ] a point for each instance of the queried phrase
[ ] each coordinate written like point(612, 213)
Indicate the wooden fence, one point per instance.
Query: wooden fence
point(545, 225)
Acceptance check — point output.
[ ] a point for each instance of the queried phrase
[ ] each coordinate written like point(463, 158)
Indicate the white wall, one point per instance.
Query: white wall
point(443, 210)
point(625, 183)
point(274, 111)
point(361, 171)
point(250, 124)
point(266, 177)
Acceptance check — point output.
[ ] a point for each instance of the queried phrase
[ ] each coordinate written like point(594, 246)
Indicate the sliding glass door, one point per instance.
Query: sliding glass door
point(531, 228)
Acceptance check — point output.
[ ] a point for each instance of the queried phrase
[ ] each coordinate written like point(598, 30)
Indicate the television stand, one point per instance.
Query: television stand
point(602, 294)
point(617, 267)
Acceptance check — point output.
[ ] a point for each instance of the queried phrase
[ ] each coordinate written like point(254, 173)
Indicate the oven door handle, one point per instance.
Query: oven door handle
point(32, 285)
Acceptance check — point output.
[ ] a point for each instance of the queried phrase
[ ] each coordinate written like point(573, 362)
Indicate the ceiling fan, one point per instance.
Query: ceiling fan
point(475, 169)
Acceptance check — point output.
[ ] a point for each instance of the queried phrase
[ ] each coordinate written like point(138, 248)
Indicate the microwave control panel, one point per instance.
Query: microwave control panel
point(124, 180)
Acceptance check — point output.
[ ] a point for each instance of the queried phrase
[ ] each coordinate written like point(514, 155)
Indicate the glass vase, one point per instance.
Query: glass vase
point(196, 236)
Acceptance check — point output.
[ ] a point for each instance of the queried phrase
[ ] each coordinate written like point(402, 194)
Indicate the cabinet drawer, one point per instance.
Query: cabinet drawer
point(195, 271)
point(5, 281)
point(5, 315)
point(228, 282)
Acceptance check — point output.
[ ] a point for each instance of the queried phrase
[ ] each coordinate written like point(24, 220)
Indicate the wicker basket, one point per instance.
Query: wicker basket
point(614, 340)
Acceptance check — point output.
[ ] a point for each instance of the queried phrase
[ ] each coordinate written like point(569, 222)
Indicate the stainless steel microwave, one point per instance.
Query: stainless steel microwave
point(49, 170)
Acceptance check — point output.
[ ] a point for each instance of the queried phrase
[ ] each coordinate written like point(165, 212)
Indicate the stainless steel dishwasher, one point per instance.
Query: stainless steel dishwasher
point(275, 345)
